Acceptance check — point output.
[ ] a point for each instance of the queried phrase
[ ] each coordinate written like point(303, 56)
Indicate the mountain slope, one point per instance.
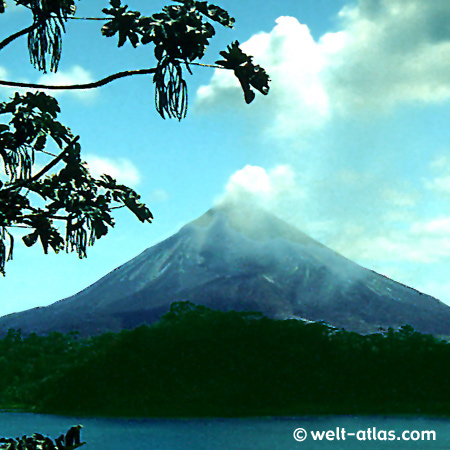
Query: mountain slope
point(240, 258)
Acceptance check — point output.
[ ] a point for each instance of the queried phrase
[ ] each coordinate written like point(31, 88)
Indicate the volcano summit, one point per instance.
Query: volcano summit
point(242, 259)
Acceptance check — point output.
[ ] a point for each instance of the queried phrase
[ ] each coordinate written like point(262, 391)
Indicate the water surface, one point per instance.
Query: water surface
point(227, 434)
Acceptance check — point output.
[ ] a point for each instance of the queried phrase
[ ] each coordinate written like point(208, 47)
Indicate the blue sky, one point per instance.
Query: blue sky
point(352, 144)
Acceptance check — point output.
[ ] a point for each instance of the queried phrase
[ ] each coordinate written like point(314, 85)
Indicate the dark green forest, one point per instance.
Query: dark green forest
point(199, 362)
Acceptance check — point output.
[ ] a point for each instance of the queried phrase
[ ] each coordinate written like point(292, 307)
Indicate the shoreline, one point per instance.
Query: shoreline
point(262, 416)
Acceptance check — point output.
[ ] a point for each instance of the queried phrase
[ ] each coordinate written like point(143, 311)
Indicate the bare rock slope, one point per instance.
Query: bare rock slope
point(242, 259)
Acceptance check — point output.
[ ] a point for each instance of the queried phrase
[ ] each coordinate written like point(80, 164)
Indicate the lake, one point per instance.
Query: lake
point(230, 434)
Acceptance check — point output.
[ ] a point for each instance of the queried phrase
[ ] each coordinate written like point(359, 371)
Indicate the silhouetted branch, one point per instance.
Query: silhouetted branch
point(92, 85)
point(88, 18)
point(50, 165)
point(14, 36)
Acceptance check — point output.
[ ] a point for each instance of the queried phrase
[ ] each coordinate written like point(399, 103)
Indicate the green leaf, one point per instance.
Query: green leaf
point(246, 72)
point(40, 143)
point(215, 13)
point(138, 209)
point(31, 239)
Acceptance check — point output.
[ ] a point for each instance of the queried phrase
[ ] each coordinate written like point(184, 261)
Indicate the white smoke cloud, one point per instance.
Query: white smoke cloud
point(270, 189)
point(353, 183)
point(387, 239)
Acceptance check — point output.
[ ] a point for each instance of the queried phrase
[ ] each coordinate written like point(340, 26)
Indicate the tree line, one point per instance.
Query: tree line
point(200, 362)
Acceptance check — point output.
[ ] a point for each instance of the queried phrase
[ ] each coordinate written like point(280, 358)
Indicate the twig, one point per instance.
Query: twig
point(31, 216)
point(88, 18)
point(48, 153)
point(214, 66)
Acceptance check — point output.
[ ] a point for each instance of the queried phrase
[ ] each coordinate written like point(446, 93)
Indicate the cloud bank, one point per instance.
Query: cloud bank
point(390, 52)
point(122, 169)
point(387, 53)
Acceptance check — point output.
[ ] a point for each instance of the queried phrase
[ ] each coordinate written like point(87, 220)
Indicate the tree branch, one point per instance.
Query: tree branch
point(95, 84)
point(88, 18)
point(26, 30)
point(14, 36)
point(92, 85)
point(31, 216)
point(51, 164)
point(214, 66)
point(21, 183)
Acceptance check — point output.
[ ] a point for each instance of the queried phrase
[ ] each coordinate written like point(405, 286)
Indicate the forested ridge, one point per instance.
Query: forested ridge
point(199, 362)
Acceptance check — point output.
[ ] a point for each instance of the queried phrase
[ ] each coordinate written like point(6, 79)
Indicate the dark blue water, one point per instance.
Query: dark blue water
point(230, 434)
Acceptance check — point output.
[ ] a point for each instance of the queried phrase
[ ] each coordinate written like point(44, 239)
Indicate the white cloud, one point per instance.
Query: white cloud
point(253, 179)
point(398, 198)
point(394, 51)
point(159, 196)
point(433, 228)
point(121, 169)
point(440, 183)
point(5, 91)
point(76, 75)
point(387, 52)
point(440, 162)
point(297, 97)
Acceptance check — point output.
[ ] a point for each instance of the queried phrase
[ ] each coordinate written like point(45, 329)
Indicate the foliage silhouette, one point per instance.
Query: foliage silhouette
point(69, 441)
point(71, 198)
point(201, 362)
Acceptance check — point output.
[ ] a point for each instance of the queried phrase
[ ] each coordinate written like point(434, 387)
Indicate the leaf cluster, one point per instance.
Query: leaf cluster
point(178, 31)
point(71, 195)
point(45, 37)
point(180, 35)
point(248, 74)
point(39, 441)
point(63, 191)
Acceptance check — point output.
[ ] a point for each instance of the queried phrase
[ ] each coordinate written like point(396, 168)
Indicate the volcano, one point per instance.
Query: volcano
point(243, 259)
